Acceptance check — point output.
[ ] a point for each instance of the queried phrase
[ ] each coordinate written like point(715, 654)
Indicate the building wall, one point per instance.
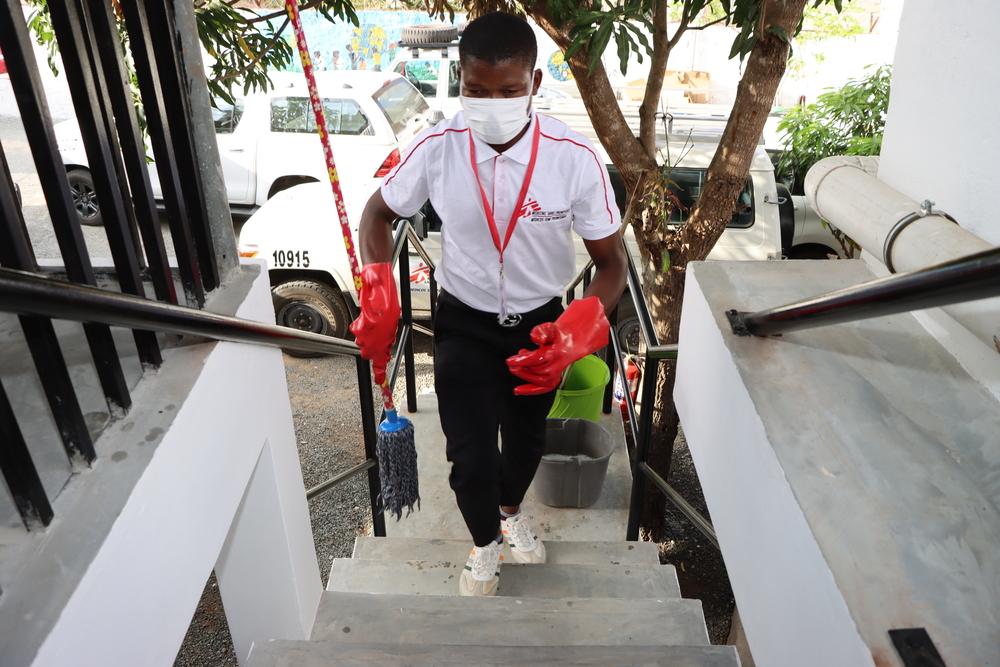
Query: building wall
point(942, 138)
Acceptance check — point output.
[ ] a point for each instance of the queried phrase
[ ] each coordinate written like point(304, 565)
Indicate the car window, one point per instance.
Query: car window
point(423, 74)
point(343, 117)
point(294, 114)
point(686, 185)
point(290, 114)
point(226, 117)
point(400, 102)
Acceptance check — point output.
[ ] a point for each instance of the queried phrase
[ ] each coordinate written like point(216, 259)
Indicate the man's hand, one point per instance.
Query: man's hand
point(582, 329)
point(375, 328)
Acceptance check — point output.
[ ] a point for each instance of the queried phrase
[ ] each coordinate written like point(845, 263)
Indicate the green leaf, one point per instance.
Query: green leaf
point(599, 43)
point(623, 50)
point(641, 36)
point(778, 32)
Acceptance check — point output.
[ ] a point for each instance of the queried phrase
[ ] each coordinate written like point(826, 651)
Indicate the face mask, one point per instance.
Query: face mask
point(496, 121)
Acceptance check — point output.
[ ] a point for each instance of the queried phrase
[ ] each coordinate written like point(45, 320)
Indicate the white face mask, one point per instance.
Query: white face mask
point(496, 121)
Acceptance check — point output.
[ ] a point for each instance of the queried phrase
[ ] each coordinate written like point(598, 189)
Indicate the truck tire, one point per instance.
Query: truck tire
point(627, 328)
point(312, 306)
point(416, 35)
point(81, 186)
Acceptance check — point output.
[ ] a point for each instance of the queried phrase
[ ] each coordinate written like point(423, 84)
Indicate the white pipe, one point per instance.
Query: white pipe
point(846, 192)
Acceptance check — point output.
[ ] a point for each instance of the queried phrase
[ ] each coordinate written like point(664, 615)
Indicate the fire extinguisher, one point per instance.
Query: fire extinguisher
point(633, 375)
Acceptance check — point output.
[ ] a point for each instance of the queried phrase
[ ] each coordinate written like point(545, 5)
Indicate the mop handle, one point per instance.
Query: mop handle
point(292, 9)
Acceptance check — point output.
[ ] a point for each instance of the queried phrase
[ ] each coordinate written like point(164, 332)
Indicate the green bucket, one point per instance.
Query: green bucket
point(581, 395)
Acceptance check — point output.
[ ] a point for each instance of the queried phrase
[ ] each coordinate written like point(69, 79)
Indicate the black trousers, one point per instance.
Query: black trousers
point(476, 402)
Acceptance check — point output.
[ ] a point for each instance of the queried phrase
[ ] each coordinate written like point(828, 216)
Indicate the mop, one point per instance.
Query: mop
point(396, 449)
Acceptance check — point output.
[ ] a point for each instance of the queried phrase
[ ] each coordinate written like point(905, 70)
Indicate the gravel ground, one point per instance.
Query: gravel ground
point(700, 568)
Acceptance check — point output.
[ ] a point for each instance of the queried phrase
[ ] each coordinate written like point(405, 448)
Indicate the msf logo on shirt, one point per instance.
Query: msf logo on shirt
point(533, 211)
point(530, 207)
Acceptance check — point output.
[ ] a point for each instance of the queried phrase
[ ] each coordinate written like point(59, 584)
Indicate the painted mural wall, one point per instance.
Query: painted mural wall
point(369, 46)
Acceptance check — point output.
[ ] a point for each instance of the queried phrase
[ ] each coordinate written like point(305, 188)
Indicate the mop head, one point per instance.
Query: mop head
point(397, 465)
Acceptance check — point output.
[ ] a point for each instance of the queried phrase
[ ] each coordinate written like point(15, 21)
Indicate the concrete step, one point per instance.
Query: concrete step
point(456, 551)
point(535, 581)
point(420, 620)
point(322, 654)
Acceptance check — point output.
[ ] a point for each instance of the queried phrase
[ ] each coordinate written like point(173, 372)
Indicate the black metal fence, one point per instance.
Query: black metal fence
point(33, 296)
point(87, 33)
point(639, 423)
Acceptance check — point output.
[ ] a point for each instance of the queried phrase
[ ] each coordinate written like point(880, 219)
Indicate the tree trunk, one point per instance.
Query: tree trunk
point(729, 168)
point(654, 82)
point(726, 176)
point(664, 290)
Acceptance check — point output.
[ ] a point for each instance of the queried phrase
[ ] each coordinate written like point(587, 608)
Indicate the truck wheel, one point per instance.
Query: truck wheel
point(81, 186)
point(312, 306)
point(786, 216)
point(428, 34)
point(627, 329)
point(811, 251)
point(629, 335)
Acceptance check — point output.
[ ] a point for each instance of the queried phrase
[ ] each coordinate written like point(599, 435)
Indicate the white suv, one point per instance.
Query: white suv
point(268, 143)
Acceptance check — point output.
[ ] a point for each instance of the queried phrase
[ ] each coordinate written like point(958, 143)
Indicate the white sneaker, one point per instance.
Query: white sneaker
point(525, 547)
point(481, 575)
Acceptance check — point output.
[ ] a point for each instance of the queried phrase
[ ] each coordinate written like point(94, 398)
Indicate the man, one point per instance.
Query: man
point(510, 187)
point(317, 62)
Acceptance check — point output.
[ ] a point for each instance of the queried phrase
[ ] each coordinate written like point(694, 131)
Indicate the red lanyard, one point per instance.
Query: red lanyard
point(515, 214)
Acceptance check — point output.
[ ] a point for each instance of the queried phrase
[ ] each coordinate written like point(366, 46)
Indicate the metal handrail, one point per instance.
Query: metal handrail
point(640, 428)
point(29, 294)
point(959, 280)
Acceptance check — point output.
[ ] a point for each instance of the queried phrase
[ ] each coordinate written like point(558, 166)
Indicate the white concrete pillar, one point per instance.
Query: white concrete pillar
point(267, 570)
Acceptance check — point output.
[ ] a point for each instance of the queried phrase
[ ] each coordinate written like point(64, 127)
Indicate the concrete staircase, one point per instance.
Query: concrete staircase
point(594, 603)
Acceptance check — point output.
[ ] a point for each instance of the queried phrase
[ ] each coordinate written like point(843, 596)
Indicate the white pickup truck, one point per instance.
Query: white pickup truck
point(267, 141)
point(297, 232)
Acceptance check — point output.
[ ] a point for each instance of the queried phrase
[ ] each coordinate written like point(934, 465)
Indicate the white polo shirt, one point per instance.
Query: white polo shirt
point(569, 192)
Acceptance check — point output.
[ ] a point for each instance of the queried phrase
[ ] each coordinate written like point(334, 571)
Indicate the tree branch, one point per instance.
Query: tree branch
point(704, 25)
point(654, 82)
point(681, 29)
point(728, 170)
point(600, 100)
point(273, 15)
point(257, 56)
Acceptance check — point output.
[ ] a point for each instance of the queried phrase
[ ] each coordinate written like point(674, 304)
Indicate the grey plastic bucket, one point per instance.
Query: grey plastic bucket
point(574, 464)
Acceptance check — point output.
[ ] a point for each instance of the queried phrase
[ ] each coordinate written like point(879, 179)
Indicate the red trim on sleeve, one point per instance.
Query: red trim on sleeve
point(414, 150)
point(600, 169)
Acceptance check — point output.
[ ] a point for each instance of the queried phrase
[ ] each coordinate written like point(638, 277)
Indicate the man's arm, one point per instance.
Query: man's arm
point(608, 283)
point(376, 230)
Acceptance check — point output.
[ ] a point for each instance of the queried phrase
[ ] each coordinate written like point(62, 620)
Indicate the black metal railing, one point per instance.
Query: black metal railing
point(89, 38)
point(958, 280)
point(651, 354)
point(31, 295)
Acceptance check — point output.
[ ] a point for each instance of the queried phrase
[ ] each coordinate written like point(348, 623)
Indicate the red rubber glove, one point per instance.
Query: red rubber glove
point(375, 329)
point(582, 329)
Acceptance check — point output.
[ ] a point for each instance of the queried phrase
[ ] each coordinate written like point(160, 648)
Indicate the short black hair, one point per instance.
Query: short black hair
point(498, 36)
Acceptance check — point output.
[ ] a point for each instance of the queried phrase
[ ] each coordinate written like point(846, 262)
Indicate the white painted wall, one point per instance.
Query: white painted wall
point(223, 490)
point(942, 138)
